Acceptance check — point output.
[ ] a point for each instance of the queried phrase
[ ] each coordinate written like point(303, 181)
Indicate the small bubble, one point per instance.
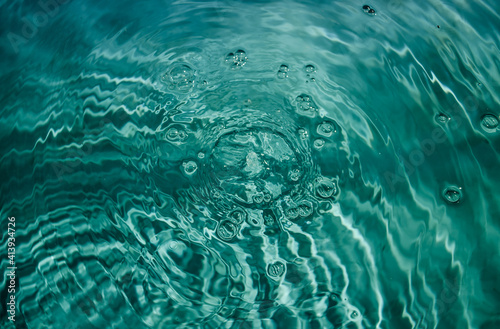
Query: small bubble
point(276, 269)
point(201, 155)
point(294, 174)
point(267, 197)
point(237, 216)
point(283, 72)
point(371, 11)
point(237, 59)
point(452, 194)
point(303, 133)
point(305, 105)
point(325, 188)
point(258, 198)
point(180, 76)
point(292, 213)
point(172, 134)
point(326, 128)
point(442, 118)
point(305, 209)
point(284, 68)
point(366, 7)
point(309, 68)
point(253, 221)
point(318, 143)
point(489, 122)
point(190, 167)
point(227, 230)
point(354, 314)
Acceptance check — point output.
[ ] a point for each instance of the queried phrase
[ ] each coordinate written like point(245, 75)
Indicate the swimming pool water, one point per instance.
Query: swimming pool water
point(250, 164)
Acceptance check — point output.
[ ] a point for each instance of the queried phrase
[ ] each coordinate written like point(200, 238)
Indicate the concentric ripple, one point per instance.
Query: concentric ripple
point(250, 164)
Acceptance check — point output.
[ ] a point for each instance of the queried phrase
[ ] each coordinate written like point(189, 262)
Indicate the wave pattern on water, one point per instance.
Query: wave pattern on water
point(249, 164)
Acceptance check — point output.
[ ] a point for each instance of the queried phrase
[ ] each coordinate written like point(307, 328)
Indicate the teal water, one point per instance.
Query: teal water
point(251, 164)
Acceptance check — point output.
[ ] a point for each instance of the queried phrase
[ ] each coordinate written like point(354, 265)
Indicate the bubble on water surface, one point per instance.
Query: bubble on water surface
point(190, 167)
point(237, 216)
point(325, 128)
point(227, 230)
point(309, 68)
point(292, 212)
point(319, 143)
point(237, 59)
point(276, 269)
point(452, 194)
point(325, 188)
point(306, 106)
point(294, 174)
point(305, 209)
point(489, 122)
point(283, 72)
point(176, 134)
point(442, 118)
point(180, 77)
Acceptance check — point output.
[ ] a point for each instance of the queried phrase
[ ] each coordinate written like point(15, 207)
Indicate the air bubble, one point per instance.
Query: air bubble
point(237, 59)
point(489, 122)
point(180, 77)
point(367, 9)
point(237, 216)
point(190, 167)
point(442, 118)
point(309, 68)
point(201, 155)
point(354, 315)
point(294, 174)
point(318, 143)
point(292, 212)
point(258, 198)
point(303, 133)
point(326, 128)
point(305, 209)
point(325, 188)
point(283, 72)
point(227, 230)
point(452, 194)
point(176, 135)
point(276, 269)
point(306, 106)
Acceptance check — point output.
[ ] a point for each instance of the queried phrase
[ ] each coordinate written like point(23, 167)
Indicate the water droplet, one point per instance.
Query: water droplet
point(366, 7)
point(442, 118)
point(276, 269)
point(489, 122)
point(371, 11)
point(180, 77)
point(326, 128)
point(309, 68)
point(190, 167)
point(452, 194)
point(318, 143)
point(325, 188)
point(227, 230)
point(237, 59)
point(237, 216)
point(284, 68)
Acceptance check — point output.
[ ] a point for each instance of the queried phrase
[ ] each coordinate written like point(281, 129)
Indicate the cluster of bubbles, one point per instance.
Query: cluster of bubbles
point(302, 209)
point(306, 105)
point(283, 72)
point(176, 134)
point(237, 59)
point(180, 77)
point(452, 194)
point(369, 10)
point(310, 69)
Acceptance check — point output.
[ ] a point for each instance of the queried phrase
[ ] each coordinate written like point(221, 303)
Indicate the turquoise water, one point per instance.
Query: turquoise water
point(251, 164)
